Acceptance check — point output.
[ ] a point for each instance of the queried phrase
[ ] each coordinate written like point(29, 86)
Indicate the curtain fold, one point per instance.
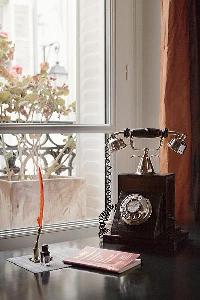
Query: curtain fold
point(175, 111)
point(194, 41)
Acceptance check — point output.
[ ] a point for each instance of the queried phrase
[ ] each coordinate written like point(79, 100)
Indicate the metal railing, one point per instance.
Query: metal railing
point(20, 152)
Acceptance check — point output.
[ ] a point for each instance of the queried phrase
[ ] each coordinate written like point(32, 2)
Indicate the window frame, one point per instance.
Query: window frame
point(90, 226)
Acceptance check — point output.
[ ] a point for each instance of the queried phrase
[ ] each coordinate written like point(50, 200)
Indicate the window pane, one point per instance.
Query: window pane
point(73, 172)
point(52, 61)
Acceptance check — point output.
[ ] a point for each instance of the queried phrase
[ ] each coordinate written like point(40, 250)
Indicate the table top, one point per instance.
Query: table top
point(160, 277)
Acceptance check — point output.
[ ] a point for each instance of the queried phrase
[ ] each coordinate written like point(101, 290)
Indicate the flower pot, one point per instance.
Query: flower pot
point(65, 200)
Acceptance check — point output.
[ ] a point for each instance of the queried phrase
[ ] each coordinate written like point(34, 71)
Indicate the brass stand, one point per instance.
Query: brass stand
point(165, 244)
point(145, 166)
point(36, 252)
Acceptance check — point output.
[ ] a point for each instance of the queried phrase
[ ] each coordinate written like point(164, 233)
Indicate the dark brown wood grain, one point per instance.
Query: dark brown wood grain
point(161, 277)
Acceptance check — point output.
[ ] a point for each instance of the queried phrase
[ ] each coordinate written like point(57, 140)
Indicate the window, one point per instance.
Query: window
point(55, 108)
point(65, 38)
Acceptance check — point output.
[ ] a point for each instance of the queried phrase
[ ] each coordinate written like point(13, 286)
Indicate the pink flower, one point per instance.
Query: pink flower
point(16, 70)
point(13, 72)
point(3, 35)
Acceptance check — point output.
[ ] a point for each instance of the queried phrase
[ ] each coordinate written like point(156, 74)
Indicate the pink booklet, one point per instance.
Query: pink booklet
point(104, 259)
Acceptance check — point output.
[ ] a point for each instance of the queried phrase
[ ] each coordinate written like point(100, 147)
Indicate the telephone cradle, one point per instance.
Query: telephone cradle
point(145, 214)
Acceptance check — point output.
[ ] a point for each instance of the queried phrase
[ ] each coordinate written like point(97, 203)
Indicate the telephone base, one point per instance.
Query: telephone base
point(164, 244)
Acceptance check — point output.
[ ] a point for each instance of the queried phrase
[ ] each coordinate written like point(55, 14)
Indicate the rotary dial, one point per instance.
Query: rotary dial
point(133, 206)
point(135, 209)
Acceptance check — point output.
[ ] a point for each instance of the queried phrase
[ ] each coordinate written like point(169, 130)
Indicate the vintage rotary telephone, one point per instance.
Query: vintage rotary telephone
point(144, 215)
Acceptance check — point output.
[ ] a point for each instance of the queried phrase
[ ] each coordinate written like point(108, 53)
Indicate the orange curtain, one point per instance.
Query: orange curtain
point(194, 25)
point(175, 98)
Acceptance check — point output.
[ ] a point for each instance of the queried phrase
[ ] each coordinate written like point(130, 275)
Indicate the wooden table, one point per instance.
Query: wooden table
point(161, 277)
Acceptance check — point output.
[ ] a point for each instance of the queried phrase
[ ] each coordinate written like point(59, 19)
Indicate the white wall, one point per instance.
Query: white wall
point(138, 46)
point(151, 63)
point(125, 111)
point(151, 71)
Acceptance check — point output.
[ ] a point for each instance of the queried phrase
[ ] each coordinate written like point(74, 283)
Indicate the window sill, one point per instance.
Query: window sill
point(25, 237)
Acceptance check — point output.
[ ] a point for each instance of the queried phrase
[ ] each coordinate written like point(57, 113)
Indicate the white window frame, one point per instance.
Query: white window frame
point(89, 227)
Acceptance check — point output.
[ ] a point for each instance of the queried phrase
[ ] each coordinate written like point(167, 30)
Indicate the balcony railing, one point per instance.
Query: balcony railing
point(21, 153)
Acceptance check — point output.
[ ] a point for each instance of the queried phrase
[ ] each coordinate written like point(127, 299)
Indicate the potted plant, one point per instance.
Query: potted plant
point(27, 99)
